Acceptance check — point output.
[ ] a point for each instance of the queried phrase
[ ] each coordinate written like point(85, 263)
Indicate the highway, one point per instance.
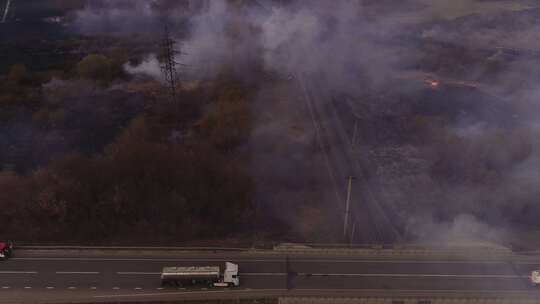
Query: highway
point(75, 276)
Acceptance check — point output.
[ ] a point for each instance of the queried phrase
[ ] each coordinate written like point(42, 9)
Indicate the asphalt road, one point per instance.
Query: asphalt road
point(31, 277)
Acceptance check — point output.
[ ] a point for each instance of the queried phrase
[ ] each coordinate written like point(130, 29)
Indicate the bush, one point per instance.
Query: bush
point(95, 67)
point(17, 73)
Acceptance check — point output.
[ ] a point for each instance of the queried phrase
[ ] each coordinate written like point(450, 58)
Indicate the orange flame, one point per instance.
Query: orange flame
point(433, 83)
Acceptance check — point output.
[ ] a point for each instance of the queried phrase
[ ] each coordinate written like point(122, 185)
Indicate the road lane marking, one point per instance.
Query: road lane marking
point(6, 287)
point(385, 291)
point(77, 272)
point(412, 275)
point(137, 273)
point(18, 272)
point(367, 261)
point(116, 288)
point(474, 292)
point(49, 287)
point(161, 294)
point(27, 287)
point(93, 287)
point(138, 288)
point(263, 273)
point(72, 287)
point(159, 288)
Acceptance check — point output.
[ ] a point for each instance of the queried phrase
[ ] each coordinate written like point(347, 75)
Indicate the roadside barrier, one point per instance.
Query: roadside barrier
point(409, 300)
point(381, 250)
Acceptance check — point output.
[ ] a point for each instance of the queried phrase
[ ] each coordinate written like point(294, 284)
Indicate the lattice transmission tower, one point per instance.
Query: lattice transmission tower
point(167, 57)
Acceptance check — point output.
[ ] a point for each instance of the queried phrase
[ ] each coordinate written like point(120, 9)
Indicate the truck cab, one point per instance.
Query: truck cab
point(535, 277)
point(230, 275)
point(6, 250)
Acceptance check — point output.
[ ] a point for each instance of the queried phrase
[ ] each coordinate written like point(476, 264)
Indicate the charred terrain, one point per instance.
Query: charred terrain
point(415, 122)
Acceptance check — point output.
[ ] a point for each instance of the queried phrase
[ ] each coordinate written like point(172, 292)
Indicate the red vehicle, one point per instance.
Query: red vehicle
point(6, 250)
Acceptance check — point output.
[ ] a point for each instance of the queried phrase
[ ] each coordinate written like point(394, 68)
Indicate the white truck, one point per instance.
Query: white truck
point(535, 277)
point(209, 275)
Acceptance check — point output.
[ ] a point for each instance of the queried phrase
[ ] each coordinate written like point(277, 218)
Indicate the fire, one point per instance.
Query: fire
point(433, 83)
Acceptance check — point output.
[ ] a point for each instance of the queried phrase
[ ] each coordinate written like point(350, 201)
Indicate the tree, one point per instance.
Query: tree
point(17, 73)
point(228, 125)
point(95, 67)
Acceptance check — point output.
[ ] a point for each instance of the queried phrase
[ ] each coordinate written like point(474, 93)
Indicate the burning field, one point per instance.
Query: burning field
point(432, 106)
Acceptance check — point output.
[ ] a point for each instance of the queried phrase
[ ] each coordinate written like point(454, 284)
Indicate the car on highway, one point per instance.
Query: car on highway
point(6, 249)
point(535, 277)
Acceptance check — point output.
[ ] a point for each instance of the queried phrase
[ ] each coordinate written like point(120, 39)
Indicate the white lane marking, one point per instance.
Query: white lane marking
point(159, 288)
point(161, 294)
point(474, 292)
point(304, 274)
point(263, 273)
point(93, 287)
point(77, 272)
point(116, 288)
point(389, 275)
point(138, 288)
point(405, 275)
point(6, 287)
point(72, 287)
point(395, 291)
point(27, 287)
point(137, 273)
point(49, 287)
point(379, 261)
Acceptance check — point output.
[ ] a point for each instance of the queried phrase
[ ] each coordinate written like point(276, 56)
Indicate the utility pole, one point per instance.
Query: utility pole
point(255, 224)
point(355, 131)
point(351, 239)
point(6, 11)
point(347, 207)
point(167, 57)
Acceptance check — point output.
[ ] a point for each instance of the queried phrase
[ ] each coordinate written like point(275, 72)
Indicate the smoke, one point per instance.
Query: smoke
point(471, 179)
point(115, 17)
point(222, 37)
point(339, 42)
point(149, 66)
point(464, 229)
point(513, 30)
point(131, 17)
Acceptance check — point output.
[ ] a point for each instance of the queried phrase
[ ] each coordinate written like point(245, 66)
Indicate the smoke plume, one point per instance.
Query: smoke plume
point(472, 175)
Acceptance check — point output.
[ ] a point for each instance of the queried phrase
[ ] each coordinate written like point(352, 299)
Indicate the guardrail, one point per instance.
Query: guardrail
point(395, 250)
point(160, 248)
point(293, 248)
